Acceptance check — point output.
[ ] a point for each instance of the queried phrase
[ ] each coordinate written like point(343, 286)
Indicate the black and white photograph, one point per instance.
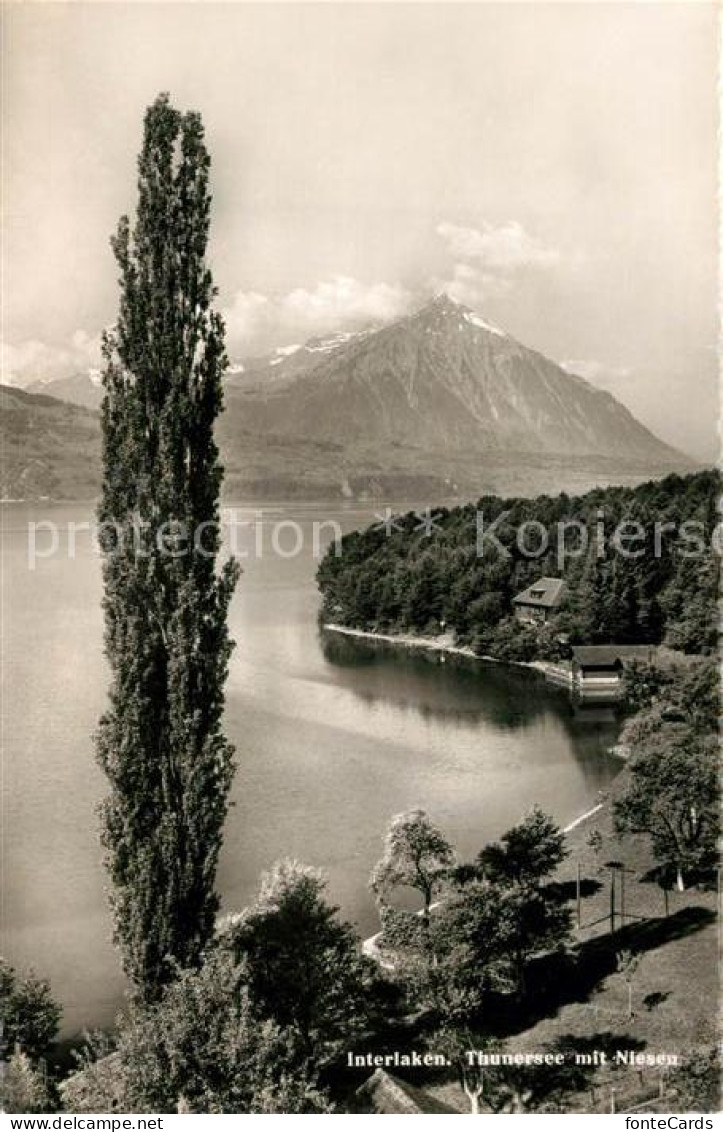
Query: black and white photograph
point(361, 533)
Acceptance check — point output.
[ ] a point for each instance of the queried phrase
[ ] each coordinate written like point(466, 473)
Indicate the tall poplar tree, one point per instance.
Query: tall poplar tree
point(160, 742)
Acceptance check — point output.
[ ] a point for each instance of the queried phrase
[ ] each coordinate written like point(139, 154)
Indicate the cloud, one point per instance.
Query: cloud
point(249, 316)
point(483, 262)
point(488, 260)
point(470, 285)
point(257, 320)
point(344, 297)
point(33, 360)
point(503, 249)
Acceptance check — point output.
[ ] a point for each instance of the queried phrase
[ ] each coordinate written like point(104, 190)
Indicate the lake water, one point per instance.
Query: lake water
point(331, 741)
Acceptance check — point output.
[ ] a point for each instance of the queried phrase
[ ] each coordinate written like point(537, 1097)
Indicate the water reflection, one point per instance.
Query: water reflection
point(584, 711)
point(464, 691)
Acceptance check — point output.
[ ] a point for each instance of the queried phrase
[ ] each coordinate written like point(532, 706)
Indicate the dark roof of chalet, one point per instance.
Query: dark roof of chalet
point(606, 656)
point(389, 1095)
point(546, 593)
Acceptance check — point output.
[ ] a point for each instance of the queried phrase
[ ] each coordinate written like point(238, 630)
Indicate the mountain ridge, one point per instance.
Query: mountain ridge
point(441, 376)
point(440, 404)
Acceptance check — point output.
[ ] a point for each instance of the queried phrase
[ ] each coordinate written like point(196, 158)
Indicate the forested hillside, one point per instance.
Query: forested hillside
point(49, 449)
point(655, 580)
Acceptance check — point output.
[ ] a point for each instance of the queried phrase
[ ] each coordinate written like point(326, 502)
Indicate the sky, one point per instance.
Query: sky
point(551, 165)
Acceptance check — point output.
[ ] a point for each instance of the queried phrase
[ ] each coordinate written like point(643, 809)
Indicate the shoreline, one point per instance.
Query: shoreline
point(444, 644)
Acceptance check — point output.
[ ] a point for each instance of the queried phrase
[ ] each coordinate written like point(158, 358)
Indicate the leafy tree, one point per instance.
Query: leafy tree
point(423, 602)
point(673, 797)
point(511, 1090)
point(480, 938)
point(680, 699)
point(416, 855)
point(205, 1047)
point(532, 920)
point(489, 608)
point(691, 618)
point(23, 1087)
point(526, 853)
point(448, 966)
point(532, 916)
point(643, 684)
point(305, 967)
point(698, 1082)
point(537, 1088)
point(509, 641)
point(468, 951)
point(29, 1017)
point(160, 742)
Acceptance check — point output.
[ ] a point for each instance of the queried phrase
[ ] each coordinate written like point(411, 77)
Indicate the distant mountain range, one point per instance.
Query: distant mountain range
point(441, 378)
point(438, 404)
point(84, 389)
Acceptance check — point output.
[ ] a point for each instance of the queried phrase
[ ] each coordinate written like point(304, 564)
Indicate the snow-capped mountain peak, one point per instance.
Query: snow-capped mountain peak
point(481, 324)
point(443, 377)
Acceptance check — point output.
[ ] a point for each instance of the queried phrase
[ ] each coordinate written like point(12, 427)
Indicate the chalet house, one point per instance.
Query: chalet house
point(539, 601)
point(598, 669)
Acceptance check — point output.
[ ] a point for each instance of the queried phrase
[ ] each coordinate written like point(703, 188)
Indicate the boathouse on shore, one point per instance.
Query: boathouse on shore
point(598, 669)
